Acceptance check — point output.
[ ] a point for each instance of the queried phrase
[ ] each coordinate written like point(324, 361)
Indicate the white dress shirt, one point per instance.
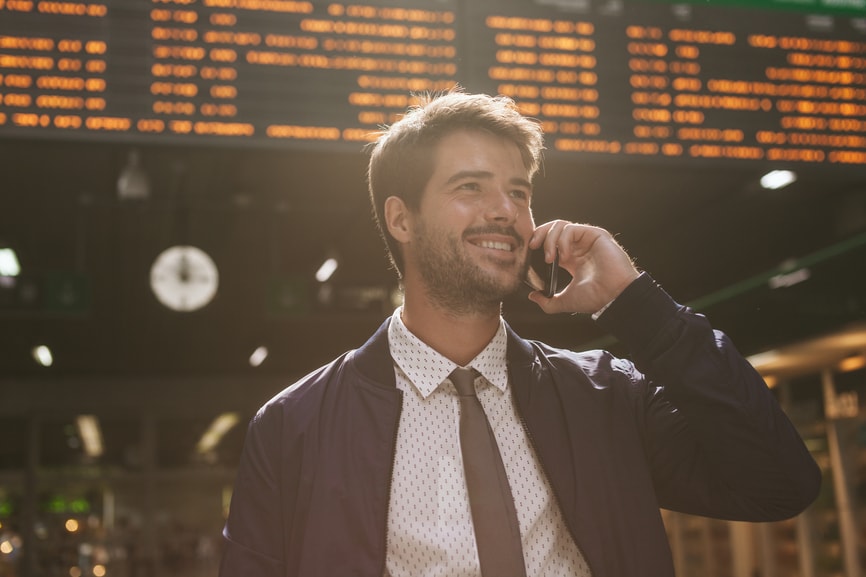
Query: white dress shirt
point(430, 531)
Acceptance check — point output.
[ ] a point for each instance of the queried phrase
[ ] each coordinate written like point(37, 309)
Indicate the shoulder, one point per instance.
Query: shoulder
point(303, 397)
point(586, 375)
point(368, 366)
point(599, 366)
point(524, 352)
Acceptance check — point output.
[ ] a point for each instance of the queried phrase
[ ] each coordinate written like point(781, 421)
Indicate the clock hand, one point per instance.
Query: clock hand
point(184, 269)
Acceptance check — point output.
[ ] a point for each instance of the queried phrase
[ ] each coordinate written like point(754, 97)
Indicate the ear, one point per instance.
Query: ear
point(398, 219)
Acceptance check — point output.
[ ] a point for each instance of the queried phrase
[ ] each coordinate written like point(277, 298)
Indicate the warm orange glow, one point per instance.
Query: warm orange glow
point(852, 363)
point(647, 81)
point(19, 5)
point(72, 9)
point(55, 101)
point(304, 132)
point(177, 70)
point(641, 32)
point(642, 148)
point(733, 152)
point(702, 37)
point(712, 134)
point(108, 123)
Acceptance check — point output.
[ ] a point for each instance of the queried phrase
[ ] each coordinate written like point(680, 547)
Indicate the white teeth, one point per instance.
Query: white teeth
point(495, 245)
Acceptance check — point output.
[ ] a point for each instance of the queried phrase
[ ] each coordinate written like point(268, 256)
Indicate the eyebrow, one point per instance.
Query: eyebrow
point(481, 174)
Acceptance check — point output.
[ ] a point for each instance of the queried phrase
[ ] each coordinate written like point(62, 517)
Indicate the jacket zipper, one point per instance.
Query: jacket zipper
point(549, 483)
point(390, 482)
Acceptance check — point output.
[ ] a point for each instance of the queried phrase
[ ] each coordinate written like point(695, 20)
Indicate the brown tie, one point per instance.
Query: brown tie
point(497, 533)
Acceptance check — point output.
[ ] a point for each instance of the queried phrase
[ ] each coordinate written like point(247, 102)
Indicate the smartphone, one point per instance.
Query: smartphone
point(542, 276)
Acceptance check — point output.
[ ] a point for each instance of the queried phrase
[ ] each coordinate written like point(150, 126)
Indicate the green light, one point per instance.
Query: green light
point(56, 505)
point(79, 506)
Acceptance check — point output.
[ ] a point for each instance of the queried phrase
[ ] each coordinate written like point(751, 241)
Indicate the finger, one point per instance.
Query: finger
point(578, 239)
point(539, 235)
point(552, 242)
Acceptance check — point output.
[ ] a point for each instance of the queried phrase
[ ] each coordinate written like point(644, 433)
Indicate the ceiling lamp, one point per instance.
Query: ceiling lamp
point(91, 435)
point(217, 430)
point(258, 357)
point(42, 355)
point(133, 183)
point(9, 265)
point(852, 363)
point(327, 270)
point(776, 179)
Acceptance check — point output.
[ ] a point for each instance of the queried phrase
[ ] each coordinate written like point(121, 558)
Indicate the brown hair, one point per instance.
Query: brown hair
point(401, 161)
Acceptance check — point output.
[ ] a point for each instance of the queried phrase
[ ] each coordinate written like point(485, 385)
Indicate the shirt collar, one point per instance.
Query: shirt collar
point(426, 369)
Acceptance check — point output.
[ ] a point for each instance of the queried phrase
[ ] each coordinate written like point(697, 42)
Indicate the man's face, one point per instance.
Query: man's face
point(471, 232)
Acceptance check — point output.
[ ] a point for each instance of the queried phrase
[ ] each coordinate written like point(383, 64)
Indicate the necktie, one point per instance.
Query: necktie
point(497, 533)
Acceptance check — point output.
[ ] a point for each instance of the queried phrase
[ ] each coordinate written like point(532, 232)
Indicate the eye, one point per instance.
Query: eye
point(520, 194)
point(469, 185)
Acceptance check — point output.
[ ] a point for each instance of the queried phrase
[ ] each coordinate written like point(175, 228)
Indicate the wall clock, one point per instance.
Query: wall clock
point(184, 278)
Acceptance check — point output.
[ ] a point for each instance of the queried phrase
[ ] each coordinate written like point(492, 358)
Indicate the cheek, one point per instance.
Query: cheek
point(526, 224)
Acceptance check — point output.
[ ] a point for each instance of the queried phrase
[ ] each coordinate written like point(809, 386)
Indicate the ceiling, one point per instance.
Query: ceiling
point(269, 217)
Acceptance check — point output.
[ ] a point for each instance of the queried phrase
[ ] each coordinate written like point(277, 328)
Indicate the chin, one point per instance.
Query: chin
point(505, 286)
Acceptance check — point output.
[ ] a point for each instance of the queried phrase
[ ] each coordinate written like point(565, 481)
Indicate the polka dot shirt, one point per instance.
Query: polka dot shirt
point(430, 530)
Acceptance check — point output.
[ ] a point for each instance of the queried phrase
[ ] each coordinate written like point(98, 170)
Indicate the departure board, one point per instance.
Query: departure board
point(683, 82)
point(260, 70)
point(606, 78)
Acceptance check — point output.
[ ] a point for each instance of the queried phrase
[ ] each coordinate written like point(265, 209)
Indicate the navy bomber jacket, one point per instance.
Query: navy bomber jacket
point(688, 426)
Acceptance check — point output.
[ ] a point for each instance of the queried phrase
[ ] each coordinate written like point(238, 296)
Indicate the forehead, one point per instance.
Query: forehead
point(477, 150)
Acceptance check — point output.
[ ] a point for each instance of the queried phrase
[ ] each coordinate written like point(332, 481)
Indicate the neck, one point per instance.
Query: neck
point(458, 336)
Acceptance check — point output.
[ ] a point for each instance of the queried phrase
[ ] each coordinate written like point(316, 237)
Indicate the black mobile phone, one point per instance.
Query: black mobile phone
point(542, 276)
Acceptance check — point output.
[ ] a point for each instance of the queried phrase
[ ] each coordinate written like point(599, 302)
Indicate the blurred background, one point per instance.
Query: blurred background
point(184, 231)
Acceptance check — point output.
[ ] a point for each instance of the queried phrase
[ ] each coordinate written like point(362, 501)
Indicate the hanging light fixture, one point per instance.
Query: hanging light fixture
point(9, 265)
point(133, 183)
point(776, 179)
point(327, 269)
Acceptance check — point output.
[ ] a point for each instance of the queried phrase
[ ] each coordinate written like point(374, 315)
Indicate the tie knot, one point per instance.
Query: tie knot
point(464, 381)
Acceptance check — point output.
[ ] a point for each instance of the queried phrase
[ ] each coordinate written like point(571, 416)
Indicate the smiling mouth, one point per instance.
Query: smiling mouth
point(503, 246)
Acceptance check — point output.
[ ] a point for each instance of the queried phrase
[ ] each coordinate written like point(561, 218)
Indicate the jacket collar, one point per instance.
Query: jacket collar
point(369, 358)
point(520, 352)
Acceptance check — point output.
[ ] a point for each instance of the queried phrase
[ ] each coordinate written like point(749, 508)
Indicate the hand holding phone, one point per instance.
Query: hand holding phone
point(592, 255)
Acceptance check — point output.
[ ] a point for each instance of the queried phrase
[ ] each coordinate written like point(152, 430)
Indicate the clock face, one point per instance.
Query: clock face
point(184, 278)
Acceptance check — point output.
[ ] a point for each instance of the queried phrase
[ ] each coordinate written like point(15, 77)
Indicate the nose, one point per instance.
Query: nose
point(501, 207)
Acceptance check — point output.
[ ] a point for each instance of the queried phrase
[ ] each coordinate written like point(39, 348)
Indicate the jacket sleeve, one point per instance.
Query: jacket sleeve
point(717, 442)
point(254, 530)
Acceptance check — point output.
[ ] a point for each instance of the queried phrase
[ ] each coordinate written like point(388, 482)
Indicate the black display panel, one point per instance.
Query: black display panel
point(681, 81)
point(261, 70)
point(607, 78)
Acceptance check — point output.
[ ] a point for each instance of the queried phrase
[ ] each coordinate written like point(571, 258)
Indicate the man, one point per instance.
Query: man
point(364, 467)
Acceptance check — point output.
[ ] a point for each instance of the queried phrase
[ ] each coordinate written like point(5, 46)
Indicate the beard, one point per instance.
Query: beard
point(453, 281)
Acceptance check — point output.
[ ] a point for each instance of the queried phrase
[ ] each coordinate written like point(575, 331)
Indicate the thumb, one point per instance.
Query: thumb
point(548, 305)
